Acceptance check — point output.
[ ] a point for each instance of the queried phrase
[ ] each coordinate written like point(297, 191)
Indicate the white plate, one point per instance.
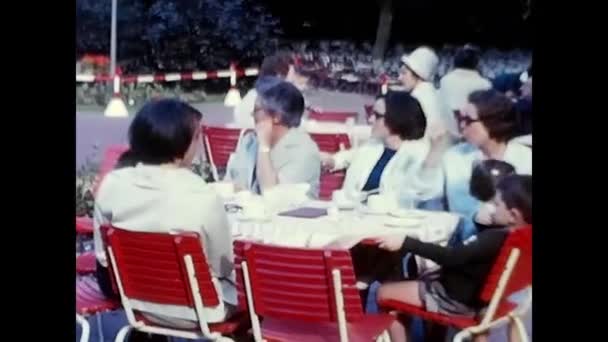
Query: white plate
point(408, 213)
point(346, 205)
point(402, 222)
point(241, 217)
point(367, 211)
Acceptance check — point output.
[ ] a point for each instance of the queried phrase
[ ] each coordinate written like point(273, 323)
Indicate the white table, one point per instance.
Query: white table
point(345, 231)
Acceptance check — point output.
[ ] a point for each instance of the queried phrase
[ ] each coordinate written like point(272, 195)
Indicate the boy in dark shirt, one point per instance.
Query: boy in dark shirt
point(454, 288)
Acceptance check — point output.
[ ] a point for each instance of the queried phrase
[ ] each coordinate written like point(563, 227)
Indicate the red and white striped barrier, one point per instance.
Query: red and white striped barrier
point(169, 77)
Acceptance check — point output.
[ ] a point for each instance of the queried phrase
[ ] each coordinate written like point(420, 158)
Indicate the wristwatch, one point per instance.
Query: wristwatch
point(263, 149)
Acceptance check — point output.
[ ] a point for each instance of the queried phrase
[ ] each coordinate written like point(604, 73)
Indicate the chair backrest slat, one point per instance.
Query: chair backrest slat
point(330, 143)
point(222, 142)
point(152, 267)
point(296, 283)
point(329, 182)
point(522, 273)
point(332, 116)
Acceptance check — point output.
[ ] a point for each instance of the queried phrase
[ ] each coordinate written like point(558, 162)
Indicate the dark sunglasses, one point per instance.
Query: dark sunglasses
point(378, 115)
point(467, 120)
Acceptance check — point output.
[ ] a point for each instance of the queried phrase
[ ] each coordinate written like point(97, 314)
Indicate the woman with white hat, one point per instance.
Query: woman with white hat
point(417, 76)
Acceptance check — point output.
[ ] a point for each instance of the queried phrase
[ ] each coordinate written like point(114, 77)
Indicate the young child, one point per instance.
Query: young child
point(484, 178)
point(454, 288)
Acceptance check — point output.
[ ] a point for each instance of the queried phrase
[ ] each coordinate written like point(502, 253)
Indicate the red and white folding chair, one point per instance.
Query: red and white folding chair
point(512, 272)
point(324, 116)
point(220, 143)
point(306, 295)
point(170, 269)
point(91, 301)
point(330, 143)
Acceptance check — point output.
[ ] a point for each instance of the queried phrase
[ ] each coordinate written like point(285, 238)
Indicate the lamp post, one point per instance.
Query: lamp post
point(116, 107)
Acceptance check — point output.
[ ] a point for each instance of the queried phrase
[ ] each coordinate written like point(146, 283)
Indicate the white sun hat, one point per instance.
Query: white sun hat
point(423, 61)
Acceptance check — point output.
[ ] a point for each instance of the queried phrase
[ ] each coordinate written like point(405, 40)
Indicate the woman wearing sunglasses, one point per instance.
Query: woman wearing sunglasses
point(394, 155)
point(487, 123)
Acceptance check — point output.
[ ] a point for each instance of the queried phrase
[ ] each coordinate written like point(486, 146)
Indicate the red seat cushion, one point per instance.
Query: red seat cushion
point(455, 321)
point(367, 329)
point(90, 299)
point(85, 263)
point(84, 225)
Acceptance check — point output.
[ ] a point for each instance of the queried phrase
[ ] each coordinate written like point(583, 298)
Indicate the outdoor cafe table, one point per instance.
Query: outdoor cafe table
point(344, 231)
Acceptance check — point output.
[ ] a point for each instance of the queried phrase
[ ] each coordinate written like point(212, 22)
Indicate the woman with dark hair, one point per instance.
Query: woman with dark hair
point(393, 156)
point(160, 193)
point(456, 86)
point(454, 287)
point(341, 160)
point(488, 124)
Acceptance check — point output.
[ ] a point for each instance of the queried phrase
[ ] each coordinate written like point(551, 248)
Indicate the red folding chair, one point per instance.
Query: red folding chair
point(332, 116)
point(220, 143)
point(512, 272)
point(330, 143)
point(170, 269)
point(91, 301)
point(306, 295)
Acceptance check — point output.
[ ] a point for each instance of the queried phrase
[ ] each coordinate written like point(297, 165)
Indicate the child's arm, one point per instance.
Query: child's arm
point(486, 246)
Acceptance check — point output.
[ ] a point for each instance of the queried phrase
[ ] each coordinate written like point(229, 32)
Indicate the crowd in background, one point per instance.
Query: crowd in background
point(334, 65)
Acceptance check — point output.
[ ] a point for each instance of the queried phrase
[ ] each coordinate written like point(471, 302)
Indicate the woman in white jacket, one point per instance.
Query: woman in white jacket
point(160, 193)
point(390, 161)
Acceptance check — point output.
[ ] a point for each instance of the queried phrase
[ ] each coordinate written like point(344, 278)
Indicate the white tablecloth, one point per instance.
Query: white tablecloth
point(343, 231)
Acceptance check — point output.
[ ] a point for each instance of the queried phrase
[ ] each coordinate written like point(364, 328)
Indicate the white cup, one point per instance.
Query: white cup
point(381, 203)
point(243, 197)
point(254, 210)
point(339, 197)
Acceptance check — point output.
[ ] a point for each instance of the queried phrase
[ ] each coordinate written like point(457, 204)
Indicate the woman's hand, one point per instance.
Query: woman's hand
point(390, 243)
point(263, 130)
point(440, 141)
point(327, 161)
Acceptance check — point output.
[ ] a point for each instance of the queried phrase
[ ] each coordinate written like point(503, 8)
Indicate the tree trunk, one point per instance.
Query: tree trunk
point(383, 32)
